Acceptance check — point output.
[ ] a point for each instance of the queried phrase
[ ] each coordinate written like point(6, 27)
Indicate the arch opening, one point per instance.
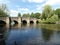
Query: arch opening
point(37, 22)
point(24, 22)
point(31, 22)
point(2, 22)
point(15, 22)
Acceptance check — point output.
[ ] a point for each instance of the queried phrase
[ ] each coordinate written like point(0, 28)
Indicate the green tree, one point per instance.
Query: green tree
point(32, 15)
point(19, 14)
point(57, 11)
point(26, 15)
point(47, 12)
point(53, 19)
point(3, 10)
point(37, 15)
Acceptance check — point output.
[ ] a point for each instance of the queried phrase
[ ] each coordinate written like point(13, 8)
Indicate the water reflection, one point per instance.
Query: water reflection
point(3, 34)
point(23, 25)
point(16, 26)
point(30, 34)
point(50, 26)
point(46, 34)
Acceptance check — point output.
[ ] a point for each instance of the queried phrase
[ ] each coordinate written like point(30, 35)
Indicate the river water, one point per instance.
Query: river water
point(34, 34)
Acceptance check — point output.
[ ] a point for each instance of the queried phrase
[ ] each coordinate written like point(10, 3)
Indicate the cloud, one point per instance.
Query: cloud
point(4, 1)
point(39, 7)
point(53, 2)
point(36, 1)
point(23, 9)
point(49, 2)
point(13, 13)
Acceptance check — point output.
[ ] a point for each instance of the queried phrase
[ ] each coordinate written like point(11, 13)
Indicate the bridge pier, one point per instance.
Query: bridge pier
point(19, 20)
point(28, 22)
point(7, 20)
point(34, 21)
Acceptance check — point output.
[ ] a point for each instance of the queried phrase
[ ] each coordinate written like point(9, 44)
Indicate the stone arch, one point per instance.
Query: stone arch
point(37, 21)
point(16, 22)
point(2, 22)
point(24, 22)
point(31, 22)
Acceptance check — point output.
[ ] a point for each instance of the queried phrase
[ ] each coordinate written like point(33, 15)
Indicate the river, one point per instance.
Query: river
point(30, 34)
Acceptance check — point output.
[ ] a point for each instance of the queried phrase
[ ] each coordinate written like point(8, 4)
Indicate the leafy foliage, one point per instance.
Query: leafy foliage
point(35, 15)
point(53, 19)
point(57, 11)
point(26, 15)
point(32, 15)
point(3, 10)
point(48, 15)
point(47, 12)
point(19, 15)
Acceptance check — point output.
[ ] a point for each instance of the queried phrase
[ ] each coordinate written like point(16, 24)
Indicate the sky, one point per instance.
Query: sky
point(28, 6)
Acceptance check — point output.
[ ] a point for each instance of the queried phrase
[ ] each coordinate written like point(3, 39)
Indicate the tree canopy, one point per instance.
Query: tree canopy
point(35, 15)
point(3, 10)
point(26, 15)
point(32, 15)
point(48, 15)
point(47, 12)
point(57, 11)
point(19, 14)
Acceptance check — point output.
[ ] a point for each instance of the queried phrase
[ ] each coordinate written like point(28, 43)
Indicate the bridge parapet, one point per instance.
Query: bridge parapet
point(2, 18)
point(14, 18)
point(25, 18)
point(33, 19)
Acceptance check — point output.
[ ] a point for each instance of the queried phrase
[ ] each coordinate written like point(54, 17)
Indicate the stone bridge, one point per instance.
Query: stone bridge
point(18, 20)
point(4, 20)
